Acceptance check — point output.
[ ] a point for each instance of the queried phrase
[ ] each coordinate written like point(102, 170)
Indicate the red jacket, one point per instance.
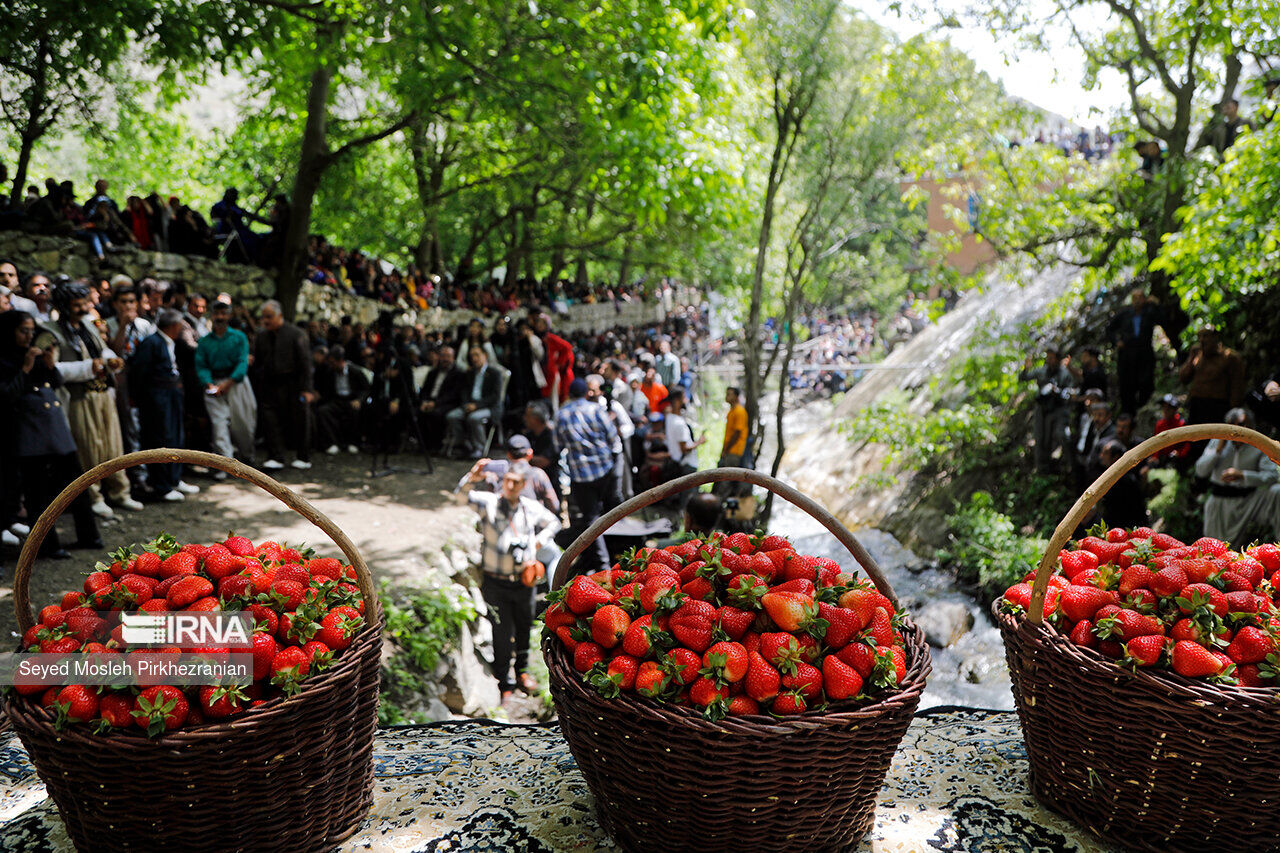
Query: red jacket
point(1178, 451)
point(559, 363)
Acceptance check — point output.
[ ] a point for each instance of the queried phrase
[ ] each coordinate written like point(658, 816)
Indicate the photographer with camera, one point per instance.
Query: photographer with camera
point(1054, 386)
point(514, 528)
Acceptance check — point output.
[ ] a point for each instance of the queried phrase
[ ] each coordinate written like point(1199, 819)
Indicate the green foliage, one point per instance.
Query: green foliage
point(422, 624)
point(987, 549)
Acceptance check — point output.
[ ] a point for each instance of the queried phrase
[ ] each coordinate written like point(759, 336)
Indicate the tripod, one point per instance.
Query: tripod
point(383, 450)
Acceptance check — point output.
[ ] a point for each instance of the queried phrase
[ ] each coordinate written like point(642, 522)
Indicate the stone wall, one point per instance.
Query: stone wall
point(252, 285)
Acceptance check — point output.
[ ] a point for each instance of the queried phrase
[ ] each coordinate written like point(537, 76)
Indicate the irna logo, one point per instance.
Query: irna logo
point(187, 630)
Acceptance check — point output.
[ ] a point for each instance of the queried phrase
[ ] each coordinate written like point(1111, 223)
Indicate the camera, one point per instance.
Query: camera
point(518, 552)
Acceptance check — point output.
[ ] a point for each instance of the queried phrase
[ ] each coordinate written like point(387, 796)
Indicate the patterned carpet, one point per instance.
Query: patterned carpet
point(958, 784)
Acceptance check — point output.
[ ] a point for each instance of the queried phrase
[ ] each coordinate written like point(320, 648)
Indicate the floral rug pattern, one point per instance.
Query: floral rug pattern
point(958, 784)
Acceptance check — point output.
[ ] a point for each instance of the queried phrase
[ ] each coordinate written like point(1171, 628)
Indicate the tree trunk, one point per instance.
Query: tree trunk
point(32, 130)
point(753, 382)
point(624, 268)
point(558, 263)
point(313, 155)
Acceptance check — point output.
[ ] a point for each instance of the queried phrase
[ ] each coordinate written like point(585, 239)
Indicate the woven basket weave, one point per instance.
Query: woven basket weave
point(293, 774)
point(666, 779)
point(1149, 761)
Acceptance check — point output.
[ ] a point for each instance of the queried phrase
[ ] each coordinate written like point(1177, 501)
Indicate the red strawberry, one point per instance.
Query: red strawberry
point(635, 641)
point(587, 655)
point(1251, 676)
point(321, 567)
point(743, 706)
point(1082, 635)
point(116, 709)
point(208, 604)
point(881, 628)
point(800, 585)
point(1210, 547)
point(339, 627)
point(842, 625)
point(1232, 582)
point(1168, 581)
point(1198, 570)
point(79, 703)
point(662, 592)
point(96, 581)
point(807, 679)
point(622, 671)
point(159, 709)
point(1146, 650)
point(791, 611)
point(739, 542)
point(71, 600)
point(217, 703)
point(1128, 624)
point(52, 616)
point(1267, 555)
point(650, 679)
point(1115, 534)
point(839, 680)
point(735, 622)
point(264, 616)
point(692, 625)
point(762, 681)
point(781, 650)
point(705, 693)
point(288, 593)
point(725, 662)
point(789, 703)
point(1075, 562)
point(699, 588)
point(584, 596)
point(684, 664)
point(1164, 542)
point(609, 625)
point(1194, 660)
point(1083, 602)
point(1242, 602)
point(147, 563)
point(1135, 578)
point(1019, 594)
point(1197, 595)
point(181, 563)
point(798, 567)
point(773, 542)
point(264, 650)
point(1250, 569)
point(187, 590)
point(1251, 645)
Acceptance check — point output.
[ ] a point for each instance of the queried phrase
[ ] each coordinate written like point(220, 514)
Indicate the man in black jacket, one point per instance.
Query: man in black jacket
point(342, 390)
point(480, 390)
point(441, 392)
point(1130, 333)
point(282, 362)
point(157, 392)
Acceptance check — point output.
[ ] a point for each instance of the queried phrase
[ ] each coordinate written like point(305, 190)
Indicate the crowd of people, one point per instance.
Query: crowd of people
point(1083, 422)
point(156, 223)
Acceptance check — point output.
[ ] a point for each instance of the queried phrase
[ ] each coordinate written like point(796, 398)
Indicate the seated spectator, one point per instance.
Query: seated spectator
point(230, 222)
point(36, 425)
point(390, 396)
point(515, 528)
point(342, 391)
point(441, 392)
point(1244, 497)
point(480, 389)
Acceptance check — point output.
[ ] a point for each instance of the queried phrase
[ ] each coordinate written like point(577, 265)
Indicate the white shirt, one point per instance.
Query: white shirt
point(678, 434)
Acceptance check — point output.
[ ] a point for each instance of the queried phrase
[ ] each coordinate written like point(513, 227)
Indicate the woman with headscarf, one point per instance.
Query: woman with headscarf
point(41, 437)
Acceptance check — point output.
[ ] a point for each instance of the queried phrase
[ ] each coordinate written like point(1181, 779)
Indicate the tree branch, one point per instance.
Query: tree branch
point(368, 139)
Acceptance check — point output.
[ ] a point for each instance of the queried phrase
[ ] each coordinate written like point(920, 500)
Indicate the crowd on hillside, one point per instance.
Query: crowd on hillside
point(156, 223)
point(1084, 422)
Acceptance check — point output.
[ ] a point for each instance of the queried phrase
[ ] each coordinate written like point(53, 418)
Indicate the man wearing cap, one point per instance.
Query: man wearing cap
point(537, 485)
point(587, 434)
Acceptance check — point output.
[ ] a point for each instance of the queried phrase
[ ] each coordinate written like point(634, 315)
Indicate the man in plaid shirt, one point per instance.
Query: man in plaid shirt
point(587, 434)
point(514, 528)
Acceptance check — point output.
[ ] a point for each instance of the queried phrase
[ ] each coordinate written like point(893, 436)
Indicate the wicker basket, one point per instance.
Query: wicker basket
point(294, 774)
point(1148, 761)
point(665, 778)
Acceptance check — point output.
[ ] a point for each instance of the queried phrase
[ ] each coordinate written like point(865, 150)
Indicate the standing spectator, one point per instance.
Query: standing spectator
point(622, 423)
point(342, 391)
point(616, 385)
point(125, 331)
point(514, 528)
point(652, 388)
point(667, 364)
point(587, 435)
point(1125, 505)
point(679, 435)
point(1214, 377)
point(222, 369)
point(194, 314)
point(36, 298)
point(38, 428)
point(1130, 332)
point(1104, 430)
point(87, 366)
point(10, 281)
point(1053, 384)
point(1180, 454)
point(282, 360)
point(1090, 373)
point(735, 431)
point(1244, 497)
point(546, 455)
point(537, 485)
point(558, 367)
point(481, 388)
point(157, 388)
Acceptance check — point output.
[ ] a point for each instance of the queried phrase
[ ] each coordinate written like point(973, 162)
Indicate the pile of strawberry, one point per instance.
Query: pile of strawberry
point(730, 625)
point(1144, 599)
point(306, 609)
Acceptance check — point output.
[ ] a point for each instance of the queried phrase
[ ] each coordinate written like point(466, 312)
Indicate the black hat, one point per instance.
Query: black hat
point(518, 444)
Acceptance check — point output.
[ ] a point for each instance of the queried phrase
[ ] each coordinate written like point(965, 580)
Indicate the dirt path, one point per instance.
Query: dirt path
point(400, 522)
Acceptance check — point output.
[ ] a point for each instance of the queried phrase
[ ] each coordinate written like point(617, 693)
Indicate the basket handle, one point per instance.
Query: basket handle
point(717, 475)
point(1122, 466)
point(290, 498)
